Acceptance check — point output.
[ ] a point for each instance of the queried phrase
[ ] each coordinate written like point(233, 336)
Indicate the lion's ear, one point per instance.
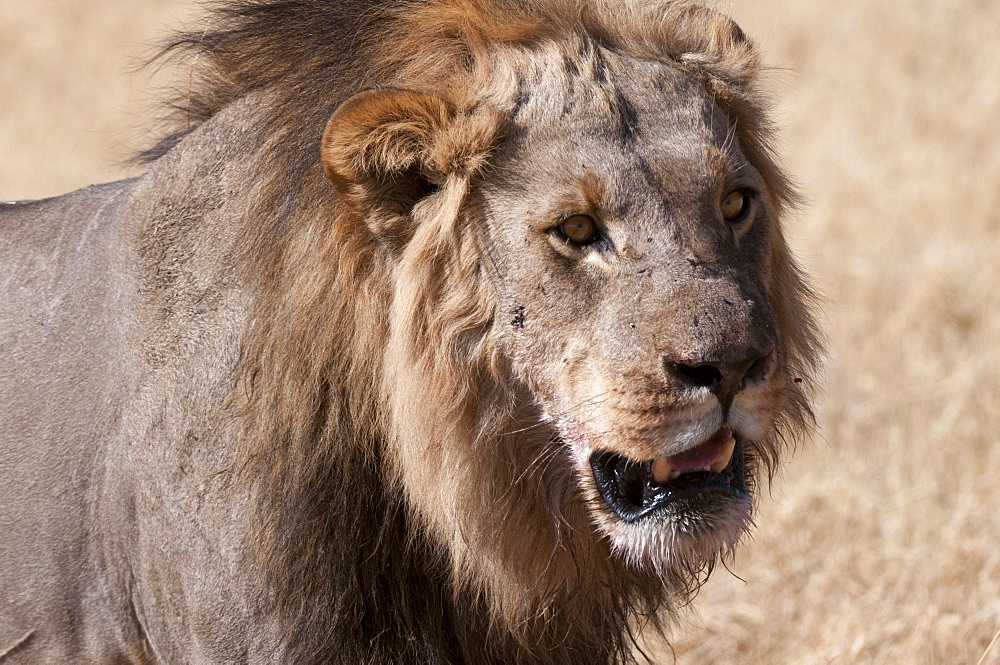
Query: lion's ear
point(391, 147)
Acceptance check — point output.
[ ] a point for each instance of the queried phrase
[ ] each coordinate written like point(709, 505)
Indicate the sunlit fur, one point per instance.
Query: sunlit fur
point(385, 438)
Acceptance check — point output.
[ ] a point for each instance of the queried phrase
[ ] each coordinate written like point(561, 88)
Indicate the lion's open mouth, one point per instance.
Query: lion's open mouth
point(634, 489)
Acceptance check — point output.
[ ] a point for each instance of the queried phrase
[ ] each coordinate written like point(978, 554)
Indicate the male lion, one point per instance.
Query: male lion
point(438, 331)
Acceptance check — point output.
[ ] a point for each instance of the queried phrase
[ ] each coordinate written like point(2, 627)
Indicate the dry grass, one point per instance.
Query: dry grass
point(69, 109)
point(880, 544)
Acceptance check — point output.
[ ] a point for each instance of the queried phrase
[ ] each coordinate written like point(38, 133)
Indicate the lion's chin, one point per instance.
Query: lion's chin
point(684, 540)
point(669, 520)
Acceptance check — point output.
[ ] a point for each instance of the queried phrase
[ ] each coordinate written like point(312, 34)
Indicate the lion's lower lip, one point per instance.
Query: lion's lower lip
point(631, 492)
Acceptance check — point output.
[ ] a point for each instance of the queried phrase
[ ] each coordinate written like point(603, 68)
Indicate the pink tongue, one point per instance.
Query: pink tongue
point(700, 456)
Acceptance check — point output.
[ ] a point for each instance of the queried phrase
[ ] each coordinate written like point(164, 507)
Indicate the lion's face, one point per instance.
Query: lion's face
point(602, 240)
point(625, 240)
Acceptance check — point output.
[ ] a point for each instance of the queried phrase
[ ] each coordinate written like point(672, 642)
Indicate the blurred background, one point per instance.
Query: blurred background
point(880, 541)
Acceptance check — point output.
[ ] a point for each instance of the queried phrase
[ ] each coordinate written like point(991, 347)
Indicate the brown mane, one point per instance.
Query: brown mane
point(340, 555)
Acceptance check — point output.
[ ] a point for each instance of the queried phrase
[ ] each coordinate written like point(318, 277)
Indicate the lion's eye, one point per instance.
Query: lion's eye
point(734, 204)
point(579, 229)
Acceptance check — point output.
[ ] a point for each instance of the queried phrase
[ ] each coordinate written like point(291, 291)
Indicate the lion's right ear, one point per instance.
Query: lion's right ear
point(389, 148)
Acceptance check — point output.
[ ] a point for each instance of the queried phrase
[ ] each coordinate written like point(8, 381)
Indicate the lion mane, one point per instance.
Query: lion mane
point(401, 501)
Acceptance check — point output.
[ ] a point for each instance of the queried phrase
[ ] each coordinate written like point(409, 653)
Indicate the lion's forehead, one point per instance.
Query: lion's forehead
point(619, 101)
point(645, 129)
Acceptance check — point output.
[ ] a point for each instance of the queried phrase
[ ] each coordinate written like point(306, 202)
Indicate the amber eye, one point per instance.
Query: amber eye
point(579, 229)
point(734, 204)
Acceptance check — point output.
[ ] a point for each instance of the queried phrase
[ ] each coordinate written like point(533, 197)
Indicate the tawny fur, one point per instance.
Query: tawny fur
point(402, 495)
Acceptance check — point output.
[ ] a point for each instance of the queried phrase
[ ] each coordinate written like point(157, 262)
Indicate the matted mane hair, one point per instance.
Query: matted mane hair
point(343, 564)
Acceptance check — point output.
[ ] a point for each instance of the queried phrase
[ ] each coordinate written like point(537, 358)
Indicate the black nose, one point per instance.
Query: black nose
point(725, 379)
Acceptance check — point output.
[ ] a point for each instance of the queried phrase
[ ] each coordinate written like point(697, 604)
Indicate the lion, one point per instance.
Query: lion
point(435, 331)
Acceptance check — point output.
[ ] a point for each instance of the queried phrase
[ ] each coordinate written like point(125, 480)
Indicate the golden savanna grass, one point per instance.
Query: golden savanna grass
point(881, 541)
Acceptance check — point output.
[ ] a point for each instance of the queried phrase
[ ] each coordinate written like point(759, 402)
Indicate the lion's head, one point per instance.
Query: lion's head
point(596, 334)
point(540, 288)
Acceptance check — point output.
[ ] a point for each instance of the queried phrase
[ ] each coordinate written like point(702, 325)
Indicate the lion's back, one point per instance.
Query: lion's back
point(59, 358)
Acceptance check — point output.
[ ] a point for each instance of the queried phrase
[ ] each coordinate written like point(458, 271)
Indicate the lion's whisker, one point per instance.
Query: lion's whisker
point(550, 419)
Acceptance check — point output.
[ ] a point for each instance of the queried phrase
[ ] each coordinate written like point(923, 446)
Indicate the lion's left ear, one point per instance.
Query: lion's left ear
point(390, 147)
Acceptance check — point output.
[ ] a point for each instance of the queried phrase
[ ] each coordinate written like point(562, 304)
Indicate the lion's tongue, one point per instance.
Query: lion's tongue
point(701, 456)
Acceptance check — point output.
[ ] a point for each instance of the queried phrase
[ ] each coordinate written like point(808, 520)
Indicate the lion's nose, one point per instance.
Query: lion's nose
point(723, 378)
